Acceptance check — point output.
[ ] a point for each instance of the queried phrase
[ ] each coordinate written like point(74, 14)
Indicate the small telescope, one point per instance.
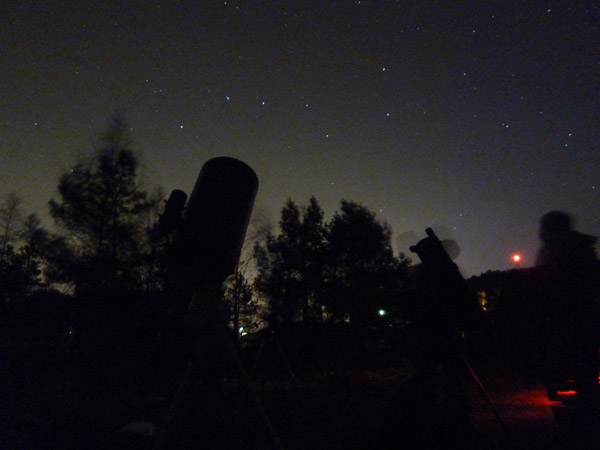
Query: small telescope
point(170, 219)
point(445, 281)
point(457, 306)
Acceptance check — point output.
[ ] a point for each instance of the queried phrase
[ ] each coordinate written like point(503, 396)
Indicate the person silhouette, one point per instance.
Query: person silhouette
point(570, 278)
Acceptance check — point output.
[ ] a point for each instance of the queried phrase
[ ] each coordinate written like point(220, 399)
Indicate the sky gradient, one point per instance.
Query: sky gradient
point(472, 118)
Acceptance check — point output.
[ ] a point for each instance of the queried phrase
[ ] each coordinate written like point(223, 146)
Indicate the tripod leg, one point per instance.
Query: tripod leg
point(489, 402)
point(245, 381)
point(257, 359)
point(163, 433)
point(291, 373)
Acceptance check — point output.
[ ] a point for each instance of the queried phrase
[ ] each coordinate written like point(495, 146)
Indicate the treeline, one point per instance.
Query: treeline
point(105, 243)
point(97, 283)
point(315, 271)
point(89, 289)
point(98, 279)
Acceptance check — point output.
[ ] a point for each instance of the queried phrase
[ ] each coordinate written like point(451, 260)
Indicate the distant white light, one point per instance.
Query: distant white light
point(382, 312)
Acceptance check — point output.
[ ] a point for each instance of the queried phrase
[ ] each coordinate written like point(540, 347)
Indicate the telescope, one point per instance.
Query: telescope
point(445, 281)
point(210, 229)
point(170, 219)
point(443, 284)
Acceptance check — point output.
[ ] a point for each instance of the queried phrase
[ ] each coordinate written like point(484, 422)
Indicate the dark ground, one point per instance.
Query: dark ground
point(45, 405)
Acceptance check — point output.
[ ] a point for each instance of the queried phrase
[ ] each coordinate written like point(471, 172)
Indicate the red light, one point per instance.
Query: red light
point(516, 258)
point(569, 393)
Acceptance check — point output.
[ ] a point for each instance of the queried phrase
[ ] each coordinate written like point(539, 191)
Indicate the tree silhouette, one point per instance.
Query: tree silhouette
point(314, 236)
point(362, 272)
point(313, 271)
point(35, 241)
point(278, 268)
point(11, 218)
point(242, 307)
point(102, 210)
point(290, 265)
point(22, 249)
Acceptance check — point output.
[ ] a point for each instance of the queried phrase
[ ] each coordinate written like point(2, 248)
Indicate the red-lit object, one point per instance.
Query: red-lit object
point(569, 393)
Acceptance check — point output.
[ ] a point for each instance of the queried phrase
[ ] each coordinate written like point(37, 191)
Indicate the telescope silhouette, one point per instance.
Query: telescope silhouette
point(210, 228)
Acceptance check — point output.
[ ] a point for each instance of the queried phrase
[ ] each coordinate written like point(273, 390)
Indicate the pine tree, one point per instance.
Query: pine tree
point(290, 265)
point(362, 272)
point(102, 209)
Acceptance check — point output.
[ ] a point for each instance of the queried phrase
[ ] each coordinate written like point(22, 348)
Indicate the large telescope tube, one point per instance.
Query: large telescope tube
point(215, 220)
point(207, 249)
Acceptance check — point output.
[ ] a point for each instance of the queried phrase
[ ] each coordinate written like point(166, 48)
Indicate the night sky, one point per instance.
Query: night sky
point(474, 119)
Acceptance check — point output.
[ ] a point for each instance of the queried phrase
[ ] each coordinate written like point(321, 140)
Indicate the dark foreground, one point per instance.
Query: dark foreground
point(45, 405)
